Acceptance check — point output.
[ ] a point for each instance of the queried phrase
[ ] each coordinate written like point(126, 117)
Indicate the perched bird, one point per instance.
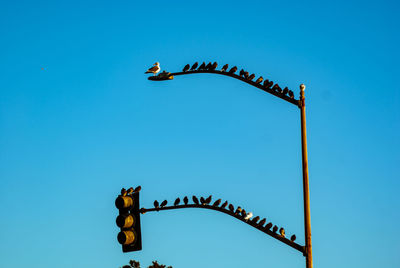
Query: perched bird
point(292, 238)
point(208, 66)
point(291, 95)
point(251, 77)
point(123, 192)
point(248, 216)
point(275, 228)
point(231, 207)
point(137, 189)
point(268, 226)
point(255, 220)
point(164, 203)
point(241, 73)
point(262, 222)
point(224, 68)
point(202, 200)
point(282, 232)
point(237, 211)
point(246, 75)
point(195, 200)
point(202, 66)
point(259, 80)
point(185, 200)
point(130, 191)
point(285, 90)
point(214, 66)
point(156, 205)
point(155, 69)
point(233, 70)
point(243, 212)
point(208, 200)
point(194, 66)
point(224, 204)
point(276, 87)
point(177, 201)
point(268, 83)
point(186, 68)
point(217, 203)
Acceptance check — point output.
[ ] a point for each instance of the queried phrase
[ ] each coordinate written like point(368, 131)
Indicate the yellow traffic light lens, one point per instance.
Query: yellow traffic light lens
point(123, 202)
point(126, 237)
point(125, 221)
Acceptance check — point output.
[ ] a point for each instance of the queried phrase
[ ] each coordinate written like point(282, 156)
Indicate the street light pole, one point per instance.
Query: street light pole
point(285, 94)
point(306, 187)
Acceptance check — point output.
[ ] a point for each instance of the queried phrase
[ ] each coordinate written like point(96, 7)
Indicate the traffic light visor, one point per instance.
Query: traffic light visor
point(126, 237)
point(123, 202)
point(125, 221)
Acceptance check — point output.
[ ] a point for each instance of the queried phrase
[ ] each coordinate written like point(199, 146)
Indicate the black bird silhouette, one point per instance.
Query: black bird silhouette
point(246, 75)
point(251, 77)
point(243, 212)
point(276, 87)
point(268, 83)
point(214, 66)
point(233, 70)
point(195, 200)
point(185, 200)
point(208, 200)
point(217, 203)
point(285, 91)
point(202, 66)
point(292, 238)
point(275, 228)
point(156, 205)
point(224, 68)
point(282, 232)
point(164, 203)
point(231, 207)
point(291, 95)
point(130, 190)
point(194, 66)
point(262, 222)
point(259, 80)
point(202, 200)
point(255, 220)
point(224, 204)
point(268, 226)
point(238, 210)
point(208, 66)
point(241, 73)
point(177, 201)
point(123, 191)
point(186, 68)
point(137, 189)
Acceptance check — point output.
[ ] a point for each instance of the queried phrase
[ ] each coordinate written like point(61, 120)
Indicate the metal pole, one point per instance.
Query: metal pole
point(306, 187)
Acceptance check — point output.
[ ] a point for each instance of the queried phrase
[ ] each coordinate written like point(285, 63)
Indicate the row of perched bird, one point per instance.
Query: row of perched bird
point(266, 84)
point(130, 191)
point(248, 217)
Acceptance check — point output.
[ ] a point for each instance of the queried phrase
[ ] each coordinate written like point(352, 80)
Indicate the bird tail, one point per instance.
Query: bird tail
point(147, 72)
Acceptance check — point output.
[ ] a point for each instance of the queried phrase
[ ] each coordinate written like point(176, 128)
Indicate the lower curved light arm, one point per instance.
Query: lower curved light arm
point(235, 215)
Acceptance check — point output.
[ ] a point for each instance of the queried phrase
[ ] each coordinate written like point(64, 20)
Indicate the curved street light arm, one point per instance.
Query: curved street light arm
point(169, 76)
point(235, 215)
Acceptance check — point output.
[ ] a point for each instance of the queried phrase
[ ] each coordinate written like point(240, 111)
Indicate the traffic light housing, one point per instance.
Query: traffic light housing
point(128, 221)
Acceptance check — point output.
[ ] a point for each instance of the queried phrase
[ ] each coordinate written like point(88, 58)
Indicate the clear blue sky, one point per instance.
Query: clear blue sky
point(72, 135)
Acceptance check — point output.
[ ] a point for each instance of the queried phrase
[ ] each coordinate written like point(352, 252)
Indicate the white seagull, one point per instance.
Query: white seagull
point(248, 216)
point(155, 69)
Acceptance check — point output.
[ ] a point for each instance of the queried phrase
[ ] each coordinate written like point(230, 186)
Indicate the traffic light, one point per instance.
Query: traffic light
point(128, 221)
